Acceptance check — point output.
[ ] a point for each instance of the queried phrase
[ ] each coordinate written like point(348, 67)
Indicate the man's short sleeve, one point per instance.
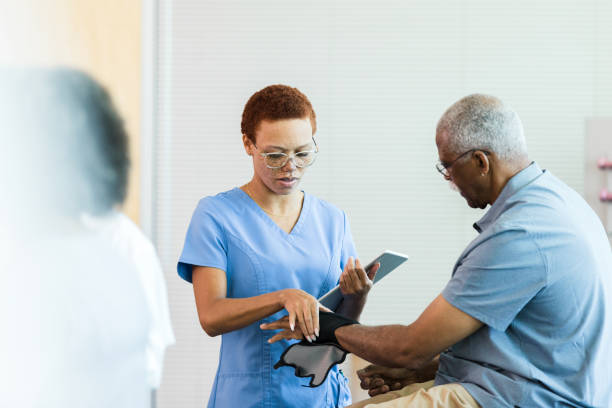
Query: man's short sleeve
point(496, 279)
point(205, 243)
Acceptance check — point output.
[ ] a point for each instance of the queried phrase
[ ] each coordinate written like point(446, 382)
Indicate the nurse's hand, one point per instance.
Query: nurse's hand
point(303, 309)
point(355, 283)
point(285, 334)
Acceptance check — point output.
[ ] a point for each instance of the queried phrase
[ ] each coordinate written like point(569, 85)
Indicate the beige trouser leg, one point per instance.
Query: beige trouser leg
point(422, 395)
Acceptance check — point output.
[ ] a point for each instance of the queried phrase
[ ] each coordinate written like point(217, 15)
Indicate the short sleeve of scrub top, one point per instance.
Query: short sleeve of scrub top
point(231, 232)
point(205, 242)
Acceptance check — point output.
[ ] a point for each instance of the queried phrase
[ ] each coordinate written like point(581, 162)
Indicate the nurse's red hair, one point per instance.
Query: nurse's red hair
point(276, 102)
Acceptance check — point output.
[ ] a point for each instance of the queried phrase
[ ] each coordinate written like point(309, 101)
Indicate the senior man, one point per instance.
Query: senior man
point(526, 318)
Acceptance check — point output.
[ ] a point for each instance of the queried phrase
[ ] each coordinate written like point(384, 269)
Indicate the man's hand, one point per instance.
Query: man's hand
point(379, 380)
point(354, 281)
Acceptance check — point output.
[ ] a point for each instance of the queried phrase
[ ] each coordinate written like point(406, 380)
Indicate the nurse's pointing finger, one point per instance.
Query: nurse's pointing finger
point(304, 328)
point(325, 309)
point(308, 322)
point(292, 320)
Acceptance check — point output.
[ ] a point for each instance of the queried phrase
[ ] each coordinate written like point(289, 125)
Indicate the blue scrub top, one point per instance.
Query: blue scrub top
point(231, 232)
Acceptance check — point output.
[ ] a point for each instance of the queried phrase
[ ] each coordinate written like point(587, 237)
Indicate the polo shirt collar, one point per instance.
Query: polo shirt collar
point(518, 181)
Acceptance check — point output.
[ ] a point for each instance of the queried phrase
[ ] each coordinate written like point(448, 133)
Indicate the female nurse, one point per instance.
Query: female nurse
point(267, 250)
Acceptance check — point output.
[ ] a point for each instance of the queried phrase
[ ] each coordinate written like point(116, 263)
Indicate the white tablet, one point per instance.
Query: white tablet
point(389, 260)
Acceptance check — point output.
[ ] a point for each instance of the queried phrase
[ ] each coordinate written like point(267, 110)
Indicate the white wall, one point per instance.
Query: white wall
point(379, 75)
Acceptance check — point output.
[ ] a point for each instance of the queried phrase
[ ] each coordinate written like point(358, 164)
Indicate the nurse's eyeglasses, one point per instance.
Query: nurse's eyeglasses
point(276, 160)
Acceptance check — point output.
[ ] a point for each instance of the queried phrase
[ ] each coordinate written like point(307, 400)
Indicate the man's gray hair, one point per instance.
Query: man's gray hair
point(484, 122)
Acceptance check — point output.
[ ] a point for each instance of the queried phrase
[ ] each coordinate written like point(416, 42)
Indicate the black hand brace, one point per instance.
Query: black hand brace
point(312, 360)
point(315, 360)
point(328, 323)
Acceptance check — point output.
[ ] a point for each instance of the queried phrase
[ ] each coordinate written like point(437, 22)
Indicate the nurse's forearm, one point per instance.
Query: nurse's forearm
point(220, 315)
point(224, 315)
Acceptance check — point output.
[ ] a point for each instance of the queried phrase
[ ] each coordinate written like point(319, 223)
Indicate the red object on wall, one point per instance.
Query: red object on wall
point(604, 163)
point(605, 195)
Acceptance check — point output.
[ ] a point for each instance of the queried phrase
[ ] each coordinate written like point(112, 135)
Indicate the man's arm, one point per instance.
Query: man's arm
point(355, 283)
point(440, 326)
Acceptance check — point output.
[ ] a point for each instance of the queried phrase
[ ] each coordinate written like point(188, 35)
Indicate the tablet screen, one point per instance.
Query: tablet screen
point(389, 261)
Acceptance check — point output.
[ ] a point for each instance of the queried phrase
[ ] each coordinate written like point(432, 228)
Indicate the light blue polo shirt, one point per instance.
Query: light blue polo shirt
point(539, 276)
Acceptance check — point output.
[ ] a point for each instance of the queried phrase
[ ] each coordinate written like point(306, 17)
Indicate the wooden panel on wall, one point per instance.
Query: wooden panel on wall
point(102, 37)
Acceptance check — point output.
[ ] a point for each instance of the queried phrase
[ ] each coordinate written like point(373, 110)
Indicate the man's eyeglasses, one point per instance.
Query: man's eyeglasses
point(443, 168)
point(276, 160)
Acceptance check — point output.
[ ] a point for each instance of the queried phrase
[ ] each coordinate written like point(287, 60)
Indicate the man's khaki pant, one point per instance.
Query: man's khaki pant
point(422, 395)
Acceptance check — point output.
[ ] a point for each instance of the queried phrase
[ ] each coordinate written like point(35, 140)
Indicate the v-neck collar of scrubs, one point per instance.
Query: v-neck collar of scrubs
point(262, 214)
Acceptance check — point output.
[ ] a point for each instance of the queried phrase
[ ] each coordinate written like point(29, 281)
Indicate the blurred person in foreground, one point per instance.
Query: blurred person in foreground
point(526, 318)
point(87, 305)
